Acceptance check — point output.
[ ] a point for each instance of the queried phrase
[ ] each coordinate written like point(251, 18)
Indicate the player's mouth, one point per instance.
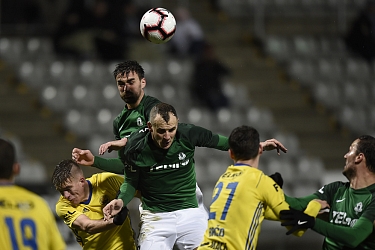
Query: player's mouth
point(166, 144)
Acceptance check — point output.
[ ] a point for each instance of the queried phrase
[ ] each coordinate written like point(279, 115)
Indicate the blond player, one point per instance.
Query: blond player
point(81, 203)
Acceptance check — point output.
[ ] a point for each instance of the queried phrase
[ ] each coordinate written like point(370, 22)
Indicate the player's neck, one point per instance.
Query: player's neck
point(86, 191)
point(251, 163)
point(6, 182)
point(362, 180)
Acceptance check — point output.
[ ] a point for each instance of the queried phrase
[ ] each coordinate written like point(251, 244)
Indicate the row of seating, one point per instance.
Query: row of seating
point(284, 48)
point(86, 94)
point(334, 69)
point(290, 8)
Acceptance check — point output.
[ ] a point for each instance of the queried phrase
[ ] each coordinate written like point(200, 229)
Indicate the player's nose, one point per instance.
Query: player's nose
point(66, 195)
point(167, 136)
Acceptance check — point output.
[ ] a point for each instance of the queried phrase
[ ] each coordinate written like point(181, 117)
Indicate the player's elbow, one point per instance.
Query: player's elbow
point(90, 229)
point(352, 242)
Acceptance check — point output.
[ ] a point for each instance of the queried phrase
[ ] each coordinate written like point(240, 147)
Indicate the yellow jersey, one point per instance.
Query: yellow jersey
point(240, 198)
point(26, 221)
point(103, 189)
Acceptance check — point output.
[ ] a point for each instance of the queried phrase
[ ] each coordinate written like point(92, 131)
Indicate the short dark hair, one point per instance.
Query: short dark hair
point(62, 173)
point(366, 146)
point(244, 142)
point(126, 67)
point(163, 109)
point(7, 159)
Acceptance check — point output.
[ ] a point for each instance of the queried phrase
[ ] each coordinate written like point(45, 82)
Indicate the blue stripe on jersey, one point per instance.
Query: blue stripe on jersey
point(253, 227)
point(90, 194)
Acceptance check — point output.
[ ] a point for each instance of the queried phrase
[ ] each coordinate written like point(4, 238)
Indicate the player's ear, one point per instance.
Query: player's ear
point(231, 154)
point(260, 150)
point(359, 158)
point(149, 125)
point(143, 82)
point(16, 169)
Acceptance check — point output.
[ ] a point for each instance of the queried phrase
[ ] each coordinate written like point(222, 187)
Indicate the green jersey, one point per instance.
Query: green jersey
point(128, 121)
point(351, 215)
point(166, 177)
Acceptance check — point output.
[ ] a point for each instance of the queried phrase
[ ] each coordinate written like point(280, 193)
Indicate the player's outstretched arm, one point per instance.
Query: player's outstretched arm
point(86, 158)
point(82, 157)
point(272, 144)
point(84, 223)
point(112, 145)
point(349, 236)
point(298, 221)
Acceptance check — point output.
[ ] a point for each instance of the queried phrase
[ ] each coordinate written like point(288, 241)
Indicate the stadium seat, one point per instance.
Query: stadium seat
point(227, 119)
point(200, 117)
point(63, 72)
point(38, 48)
point(310, 169)
point(56, 97)
point(290, 141)
point(111, 98)
point(303, 70)
point(354, 118)
point(34, 168)
point(12, 49)
point(104, 121)
point(217, 164)
point(356, 93)
point(302, 189)
point(278, 47)
point(261, 119)
point(97, 139)
point(93, 72)
point(179, 71)
point(328, 93)
point(81, 122)
point(305, 46)
point(357, 69)
point(282, 165)
point(86, 96)
point(330, 69)
point(33, 74)
point(168, 93)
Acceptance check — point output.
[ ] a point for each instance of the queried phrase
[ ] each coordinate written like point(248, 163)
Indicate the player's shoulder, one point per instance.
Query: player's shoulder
point(338, 184)
point(186, 127)
point(102, 177)
point(150, 99)
point(27, 195)
point(21, 191)
point(148, 102)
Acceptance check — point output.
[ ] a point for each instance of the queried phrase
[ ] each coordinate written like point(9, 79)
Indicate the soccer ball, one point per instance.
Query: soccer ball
point(158, 25)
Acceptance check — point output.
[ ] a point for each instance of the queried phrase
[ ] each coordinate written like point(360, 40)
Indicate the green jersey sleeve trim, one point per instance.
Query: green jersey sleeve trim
point(113, 165)
point(349, 236)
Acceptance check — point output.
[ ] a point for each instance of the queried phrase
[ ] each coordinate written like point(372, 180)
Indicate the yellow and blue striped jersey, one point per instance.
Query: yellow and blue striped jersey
point(103, 189)
point(239, 200)
point(26, 221)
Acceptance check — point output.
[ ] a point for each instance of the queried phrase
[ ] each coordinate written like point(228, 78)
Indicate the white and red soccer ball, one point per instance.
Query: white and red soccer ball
point(158, 25)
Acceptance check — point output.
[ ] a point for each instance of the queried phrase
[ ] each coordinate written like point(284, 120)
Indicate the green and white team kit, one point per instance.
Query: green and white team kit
point(166, 177)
